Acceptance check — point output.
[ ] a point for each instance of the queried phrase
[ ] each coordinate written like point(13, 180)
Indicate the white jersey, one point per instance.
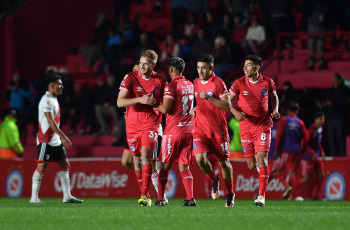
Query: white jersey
point(48, 103)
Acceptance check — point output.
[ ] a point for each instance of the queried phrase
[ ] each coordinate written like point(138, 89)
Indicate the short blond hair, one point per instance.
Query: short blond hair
point(151, 55)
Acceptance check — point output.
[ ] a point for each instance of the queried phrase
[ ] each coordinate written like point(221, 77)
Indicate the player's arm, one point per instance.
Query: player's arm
point(274, 103)
point(312, 152)
point(165, 106)
point(223, 103)
point(305, 134)
point(125, 101)
point(239, 115)
point(66, 142)
point(322, 152)
point(279, 133)
point(14, 140)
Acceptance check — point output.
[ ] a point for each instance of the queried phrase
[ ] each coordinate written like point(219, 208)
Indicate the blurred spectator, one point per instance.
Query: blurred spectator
point(211, 26)
point(288, 95)
point(239, 34)
point(94, 51)
point(255, 36)
point(319, 22)
point(336, 108)
point(121, 7)
point(18, 93)
point(190, 26)
point(226, 26)
point(169, 48)
point(10, 145)
point(201, 46)
point(145, 43)
point(185, 48)
point(238, 7)
point(178, 10)
point(106, 97)
point(222, 56)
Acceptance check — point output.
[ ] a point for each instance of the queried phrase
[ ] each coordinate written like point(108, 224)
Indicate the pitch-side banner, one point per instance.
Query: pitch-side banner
point(93, 177)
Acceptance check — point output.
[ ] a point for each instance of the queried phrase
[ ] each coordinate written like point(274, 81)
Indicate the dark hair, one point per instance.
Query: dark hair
point(177, 63)
point(53, 78)
point(256, 60)
point(318, 114)
point(207, 58)
point(293, 106)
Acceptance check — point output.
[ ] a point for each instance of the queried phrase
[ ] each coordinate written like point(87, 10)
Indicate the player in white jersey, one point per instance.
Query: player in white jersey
point(52, 142)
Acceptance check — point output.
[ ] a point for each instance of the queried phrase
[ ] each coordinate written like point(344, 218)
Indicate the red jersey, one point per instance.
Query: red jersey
point(178, 119)
point(140, 116)
point(209, 117)
point(253, 100)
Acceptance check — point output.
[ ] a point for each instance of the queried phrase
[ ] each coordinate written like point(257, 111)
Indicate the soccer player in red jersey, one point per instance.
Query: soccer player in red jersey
point(253, 92)
point(210, 127)
point(292, 137)
point(312, 162)
point(178, 135)
point(140, 91)
point(52, 142)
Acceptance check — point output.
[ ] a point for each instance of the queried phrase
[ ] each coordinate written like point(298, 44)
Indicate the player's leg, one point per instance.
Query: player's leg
point(319, 169)
point(227, 174)
point(162, 181)
point(306, 170)
point(187, 180)
point(262, 162)
point(146, 153)
point(138, 170)
point(36, 182)
point(63, 175)
point(127, 159)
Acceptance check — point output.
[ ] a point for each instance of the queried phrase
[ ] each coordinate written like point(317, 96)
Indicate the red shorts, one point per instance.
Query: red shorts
point(145, 138)
point(290, 161)
point(177, 148)
point(217, 144)
point(308, 167)
point(256, 141)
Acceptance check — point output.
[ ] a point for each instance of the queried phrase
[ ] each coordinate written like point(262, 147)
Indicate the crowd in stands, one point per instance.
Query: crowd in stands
point(229, 30)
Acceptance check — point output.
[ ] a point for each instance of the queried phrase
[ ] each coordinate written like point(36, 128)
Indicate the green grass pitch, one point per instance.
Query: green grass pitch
point(209, 214)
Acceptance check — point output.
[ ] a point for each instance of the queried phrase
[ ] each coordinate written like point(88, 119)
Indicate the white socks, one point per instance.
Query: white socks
point(65, 183)
point(36, 182)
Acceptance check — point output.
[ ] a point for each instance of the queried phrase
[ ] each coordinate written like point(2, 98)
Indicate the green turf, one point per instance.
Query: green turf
point(209, 214)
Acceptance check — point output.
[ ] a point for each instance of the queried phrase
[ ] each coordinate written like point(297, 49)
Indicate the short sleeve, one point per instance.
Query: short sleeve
point(272, 86)
point(169, 91)
point(48, 107)
point(126, 83)
point(234, 88)
point(222, 89)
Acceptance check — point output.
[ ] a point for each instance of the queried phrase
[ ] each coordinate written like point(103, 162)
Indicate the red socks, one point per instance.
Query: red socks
point(263, 180)
point(316, 188)
point(229, 187)
point(146, 178)
point(138, 174)
point(162, 181)
point(187, 180)
point(211, 176)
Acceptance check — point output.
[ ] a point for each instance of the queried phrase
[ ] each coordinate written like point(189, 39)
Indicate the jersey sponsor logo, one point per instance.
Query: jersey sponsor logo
point(14, 184)
point(171, 186)
point(197, 139)
point(132, 148)
point(80, 180)
point(139, 89)
point(244, 149)
point(132, 140)
point(264, 92)
point(245, 141)
point(245, 93)
point(156, 90)
point(334, 188)
point(210, 93)
point(251, 183)
point(194, 146)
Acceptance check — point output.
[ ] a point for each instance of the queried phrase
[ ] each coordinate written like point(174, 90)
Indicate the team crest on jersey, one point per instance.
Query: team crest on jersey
point(156, 90)
point(126, 76)
point(264, 92)
point(244, 149)
point(48, 102)
point(210, 93)
point(194, 146)
point(132, 148)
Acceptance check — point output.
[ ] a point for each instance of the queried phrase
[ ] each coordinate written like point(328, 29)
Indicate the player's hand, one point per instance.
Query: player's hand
point(239, 115)
point(193, 111)
point(148, 99)
point(204, 95)
point(275, 115)
point(66, 142)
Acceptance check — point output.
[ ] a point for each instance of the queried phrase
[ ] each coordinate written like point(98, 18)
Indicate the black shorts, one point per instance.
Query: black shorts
point(49, 154)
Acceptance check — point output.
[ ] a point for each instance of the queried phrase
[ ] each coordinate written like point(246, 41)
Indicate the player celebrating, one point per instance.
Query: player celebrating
point(178, 135)
point(312, 161)
point(139, 92)
point(254, 92)
point(210, 127)
point(293, 137)
point(50, 147)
